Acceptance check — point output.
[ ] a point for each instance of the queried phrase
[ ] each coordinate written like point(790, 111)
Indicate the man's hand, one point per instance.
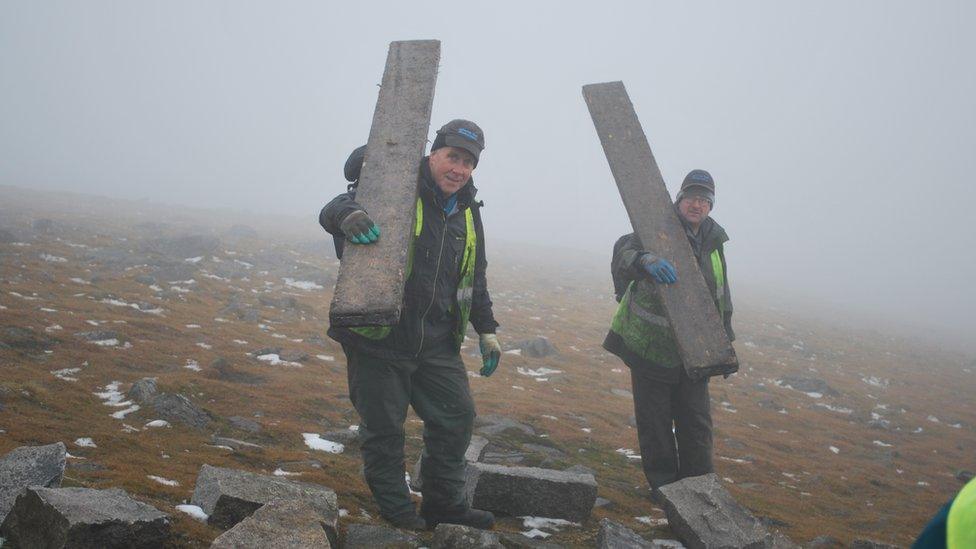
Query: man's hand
point(491, 353)
point(660, 269)
point(359, 228)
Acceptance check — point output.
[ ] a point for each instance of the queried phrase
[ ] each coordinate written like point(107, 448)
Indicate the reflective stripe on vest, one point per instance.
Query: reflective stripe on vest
point(465, 286)
point(719, 273)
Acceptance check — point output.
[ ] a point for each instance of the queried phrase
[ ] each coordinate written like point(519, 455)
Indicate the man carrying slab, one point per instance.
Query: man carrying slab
point(664, 394)
point(417, 361)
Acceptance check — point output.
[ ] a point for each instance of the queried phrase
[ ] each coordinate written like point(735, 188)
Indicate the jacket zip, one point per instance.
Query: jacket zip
point(433, 292)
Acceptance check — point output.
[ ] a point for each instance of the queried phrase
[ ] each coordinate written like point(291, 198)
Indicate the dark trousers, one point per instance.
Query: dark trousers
point(436, 385)
point(686, 451)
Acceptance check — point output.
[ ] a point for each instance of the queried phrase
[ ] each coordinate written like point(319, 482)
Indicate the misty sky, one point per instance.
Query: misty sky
point(840, 134)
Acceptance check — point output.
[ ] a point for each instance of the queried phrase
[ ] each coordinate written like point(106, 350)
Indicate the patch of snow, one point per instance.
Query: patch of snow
point(279, 472)
point(734, 460)
point(194, 511)
point(316, 442)
point(192, 365)
point(302, 284)
point(203, 345)
point(192, 326)
point(275, 360)
point(838, 409)
point(48, 310)
point(343, 512)
point(651, 521)
point(155, 288)
point(158, 423)
point(535, 533)
point(518, 388)
point(53, 258)
point(537, 372)
point(66, 374)
point(834, 449)
point(933, 419)
point(122, 413)
point(327, 358)
point(628, 453)
point(120, 303)
point(53, 328)
point(882, 444)
point(240, 342)
point(85, 442)
point(516, 352)
point(194, 259)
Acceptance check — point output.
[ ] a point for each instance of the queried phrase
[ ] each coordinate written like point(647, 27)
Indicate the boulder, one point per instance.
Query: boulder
point(83, 517)
point(29, 466)
point(282, 524)
point(294, 355)
point(455, 536)
point(223, 370)
point(613, 535)
point(371, 536)
point(519, 491)
point(474, 452)
point(229, 496)
point(25, 339)
point(244, 424)
point(807, 385)
point(703, 514)
point(537, 347)
point(143, 390)
point(178, 408)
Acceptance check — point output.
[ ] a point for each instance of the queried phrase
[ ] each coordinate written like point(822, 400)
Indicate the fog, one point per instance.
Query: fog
point(840, 134)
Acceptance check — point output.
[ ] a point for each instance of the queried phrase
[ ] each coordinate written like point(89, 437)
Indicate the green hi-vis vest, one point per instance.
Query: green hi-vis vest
point(641, 324)
point(961, 521)
point(465, 287)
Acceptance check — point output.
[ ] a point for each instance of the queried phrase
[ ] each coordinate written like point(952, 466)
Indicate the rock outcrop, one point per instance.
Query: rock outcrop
point(29, 466)
point(282, 524)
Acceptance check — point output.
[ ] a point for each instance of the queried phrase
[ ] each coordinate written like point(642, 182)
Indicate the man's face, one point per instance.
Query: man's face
point(694, 209)
point(451, 168)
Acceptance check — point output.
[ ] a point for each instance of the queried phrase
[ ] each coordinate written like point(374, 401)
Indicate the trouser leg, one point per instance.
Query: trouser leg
point(693, 427)
point(442, 399)
point(380, 391)
point(652, 408)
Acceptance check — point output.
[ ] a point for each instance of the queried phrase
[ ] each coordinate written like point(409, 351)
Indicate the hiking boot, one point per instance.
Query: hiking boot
point(408, 521)
point(475, 518)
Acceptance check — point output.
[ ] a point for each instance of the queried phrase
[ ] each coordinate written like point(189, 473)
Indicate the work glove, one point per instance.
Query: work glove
point(660, 269)
point(491, 353)
point(359, 228)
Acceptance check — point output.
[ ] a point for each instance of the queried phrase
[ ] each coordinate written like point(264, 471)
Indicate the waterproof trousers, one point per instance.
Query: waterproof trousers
point(436, 385)
point(674, 427)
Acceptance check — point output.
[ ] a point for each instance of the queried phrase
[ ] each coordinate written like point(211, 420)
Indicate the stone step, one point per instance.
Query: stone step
point(520, 491)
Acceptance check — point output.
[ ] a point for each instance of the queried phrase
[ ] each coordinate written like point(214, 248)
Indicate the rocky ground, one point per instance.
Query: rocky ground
point(824, 432)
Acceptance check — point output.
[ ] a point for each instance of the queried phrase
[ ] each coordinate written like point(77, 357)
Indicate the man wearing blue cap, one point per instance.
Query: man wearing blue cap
point(674, 423)
point(417, 362)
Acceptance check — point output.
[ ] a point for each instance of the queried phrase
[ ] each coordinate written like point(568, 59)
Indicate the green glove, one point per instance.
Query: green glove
point(359, 228)
point(491, 353)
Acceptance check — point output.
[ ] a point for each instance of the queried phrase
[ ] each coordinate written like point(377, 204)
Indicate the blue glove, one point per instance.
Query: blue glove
point(660, 269)
point(491, 353)
point(359, 228)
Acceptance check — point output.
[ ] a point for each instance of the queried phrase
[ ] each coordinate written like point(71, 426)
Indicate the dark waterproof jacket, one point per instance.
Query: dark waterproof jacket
point(626, 267)
point(428, 319)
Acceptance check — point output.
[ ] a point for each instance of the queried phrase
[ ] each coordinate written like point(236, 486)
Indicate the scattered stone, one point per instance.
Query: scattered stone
point(622, 393)
point(83, 517)
point(703, 514)
point(237, 445)
point(282, 524)
point(455, 536)
point(518, 541)
point(283, 302)
point(244, 424)
point(293, 355)
point(29, 466)
point(807, 385)
point(223, 370)
point(145, 279)
point(824, 542)
point(229, 496)
point(520, 491)
point(871, 544)
point(101, 335)
point(370, 536)
point(538, 347)
point(493, 424)
point(613, 535)
point(770, 404)
point(178, 408)
point(143, 390)
point(25, 339)
point(602, 502)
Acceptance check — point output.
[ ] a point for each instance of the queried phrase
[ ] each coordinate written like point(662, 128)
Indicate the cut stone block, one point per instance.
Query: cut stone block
point(476, 448)
point(371, 536)
point(230, 495)
point(702, 514)
point(700, 334)
point(282, 524)
point(29, 466)
point(613, 535)
point(83, 518)
point(369, 290)
point(455, 536)
point(519, 491)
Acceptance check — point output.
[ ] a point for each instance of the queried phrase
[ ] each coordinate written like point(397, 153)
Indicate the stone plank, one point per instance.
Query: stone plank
point(703, 515)
point(372, 536)
point(280, 524)
point(29, 466)
point(230, 495)
point(520, 491)
point(83, 518)
point(700, 334)
point(369, 289)
point(476, 448)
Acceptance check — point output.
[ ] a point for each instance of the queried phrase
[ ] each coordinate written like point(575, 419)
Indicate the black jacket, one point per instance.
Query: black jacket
point(430, 294)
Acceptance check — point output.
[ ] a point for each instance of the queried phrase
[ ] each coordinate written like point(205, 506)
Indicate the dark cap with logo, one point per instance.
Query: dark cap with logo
point(698, 183)
point(463, 134)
